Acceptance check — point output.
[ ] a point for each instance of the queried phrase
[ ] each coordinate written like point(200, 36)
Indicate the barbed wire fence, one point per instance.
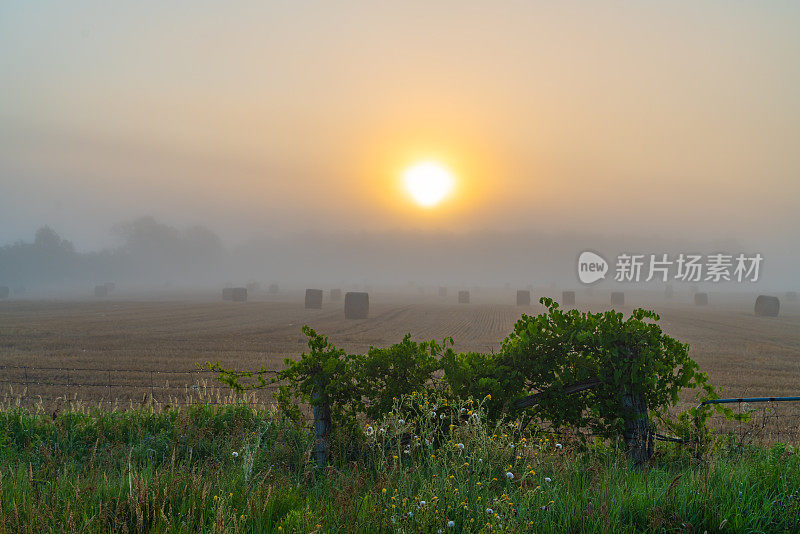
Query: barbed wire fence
point(49, 388)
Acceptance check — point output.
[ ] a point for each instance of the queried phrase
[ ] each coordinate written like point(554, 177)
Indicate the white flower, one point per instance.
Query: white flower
point(509, 475)
point(441, 416)
point(400, 422)
point(480, 460)
point(422, 503)
point(427, 442)
point(463, 410)
point(235, 454)
point(382, 430)
point(433, 415)
point(547, 479)
point(451, 524)
point(392, 519)
point(559, 446)
point(489, 511)
point(370, 430)
point(460, 446)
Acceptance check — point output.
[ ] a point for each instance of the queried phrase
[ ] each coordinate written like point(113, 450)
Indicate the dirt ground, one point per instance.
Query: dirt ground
point(125, 350)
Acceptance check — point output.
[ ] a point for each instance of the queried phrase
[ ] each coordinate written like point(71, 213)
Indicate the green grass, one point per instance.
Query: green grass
point(176, 471)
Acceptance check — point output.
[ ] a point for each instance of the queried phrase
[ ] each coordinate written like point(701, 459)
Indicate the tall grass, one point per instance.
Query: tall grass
point(422, 468)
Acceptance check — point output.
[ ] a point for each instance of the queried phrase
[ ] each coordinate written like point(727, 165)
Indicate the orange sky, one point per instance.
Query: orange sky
point(272, 117)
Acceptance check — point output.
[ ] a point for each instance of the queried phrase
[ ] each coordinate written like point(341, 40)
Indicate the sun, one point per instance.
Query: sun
point(428, 183)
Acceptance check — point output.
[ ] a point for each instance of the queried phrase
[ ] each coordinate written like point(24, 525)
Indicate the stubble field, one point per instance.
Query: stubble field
point(123, 351)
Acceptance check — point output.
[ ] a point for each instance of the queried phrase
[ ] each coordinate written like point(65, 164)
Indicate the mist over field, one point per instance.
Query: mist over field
point(268, 141)
point(148, 254)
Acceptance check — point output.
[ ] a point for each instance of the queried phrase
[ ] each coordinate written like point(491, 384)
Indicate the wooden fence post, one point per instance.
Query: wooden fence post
point(322, 428)
point(638, 437)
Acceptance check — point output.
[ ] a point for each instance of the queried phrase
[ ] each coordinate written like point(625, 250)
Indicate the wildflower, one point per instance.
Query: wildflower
point(383, 490)
point(242, 518)
point(441, 417)
point(488, 397)
point(382, 430)
point(370, 431)
point(509, 475)
point(433, 415)
point(451, 524)
point(394, 456)
point(489, 511)
point(547, 479)
point(559, 446)
point(460, 446)
point(401, 422)
point(422, 503)
point(235, 454)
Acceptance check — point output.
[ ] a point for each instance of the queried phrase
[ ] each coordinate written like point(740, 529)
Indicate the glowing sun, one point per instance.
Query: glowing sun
point(428, 183)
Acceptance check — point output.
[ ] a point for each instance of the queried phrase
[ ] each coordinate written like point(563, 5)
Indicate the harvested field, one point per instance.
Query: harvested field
point(132, 349)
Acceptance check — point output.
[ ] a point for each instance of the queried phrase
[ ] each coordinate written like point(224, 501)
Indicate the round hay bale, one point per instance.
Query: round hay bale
point(791, 295)
point(4, 292)
point(568, 298)
point(701, 299)
point(100, 291)
point(313, 299)
point(523, 297)
point(463, 297)
point(767, 306)
point(356, 305)
point(617, 298)
point(272, 289)
point(239, 294)
point(227, 293)
point(442, 291)
point(336, 295)
point(669, 291)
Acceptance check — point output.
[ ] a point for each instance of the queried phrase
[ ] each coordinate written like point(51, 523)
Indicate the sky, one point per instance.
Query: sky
point(263, 119)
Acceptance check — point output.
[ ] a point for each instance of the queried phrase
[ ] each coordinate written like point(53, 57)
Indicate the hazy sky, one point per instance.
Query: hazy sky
point(676, 119)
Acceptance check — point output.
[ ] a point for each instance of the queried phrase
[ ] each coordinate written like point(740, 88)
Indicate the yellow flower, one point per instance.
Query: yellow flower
point(383, 490)
point(395, 457)
point(488, 397)
point(230, 495)
point(242, 518)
